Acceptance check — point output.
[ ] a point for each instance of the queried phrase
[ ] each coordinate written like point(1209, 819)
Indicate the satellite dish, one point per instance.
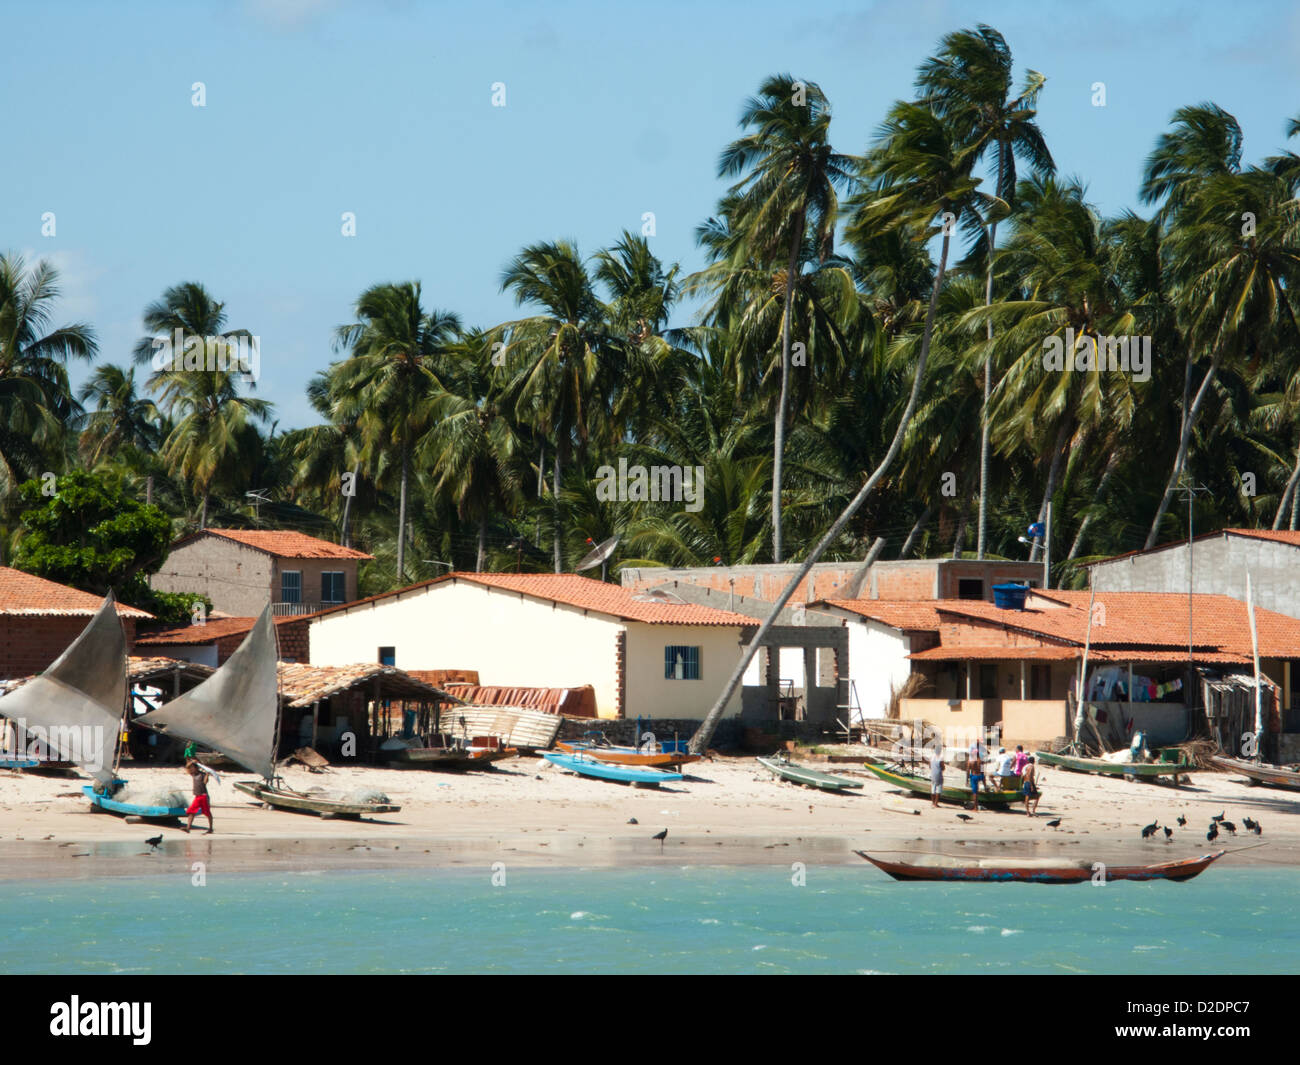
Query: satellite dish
point(657, 595)
point(598, 556)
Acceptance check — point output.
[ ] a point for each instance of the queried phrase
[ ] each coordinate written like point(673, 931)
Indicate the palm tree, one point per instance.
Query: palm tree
point(968, 83)
point(391, 378)
point(120, 418)
point(786, 195)
point(35, 397)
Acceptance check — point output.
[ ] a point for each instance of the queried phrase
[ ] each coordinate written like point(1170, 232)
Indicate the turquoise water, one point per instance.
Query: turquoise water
point(671, 920)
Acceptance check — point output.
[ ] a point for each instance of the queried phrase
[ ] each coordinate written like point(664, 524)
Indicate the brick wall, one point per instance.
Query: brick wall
point(29, 645)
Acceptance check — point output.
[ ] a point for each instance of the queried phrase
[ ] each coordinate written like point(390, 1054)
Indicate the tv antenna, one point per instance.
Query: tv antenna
point(258, 497)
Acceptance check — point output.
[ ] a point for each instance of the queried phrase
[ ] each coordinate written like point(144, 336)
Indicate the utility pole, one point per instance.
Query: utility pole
point(1047, 549)
point(1190, 491)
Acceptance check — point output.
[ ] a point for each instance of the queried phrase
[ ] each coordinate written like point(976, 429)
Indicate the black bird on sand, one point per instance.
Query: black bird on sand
point(1219, 817)
point(633, 821)
point(1213, 834)
point(661, 836)
point(1168, 832)
point(1250, 825)
point(1181, 820)
point(1256, 829)
point(1054, 824)
point(153, 841)
point(1150, 830)
point(1228, 826)
point(964, 817)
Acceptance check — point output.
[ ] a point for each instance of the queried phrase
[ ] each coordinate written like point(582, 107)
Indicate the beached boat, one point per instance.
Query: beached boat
point(19, 763)
point(921, 785)
point(810, 778)
point(623, 774)
point(76, 708)
point(1035, 870)
point(1101, 767)
point(629, 755)
point(1271, 776)
point(481, 753)
point(236, 712)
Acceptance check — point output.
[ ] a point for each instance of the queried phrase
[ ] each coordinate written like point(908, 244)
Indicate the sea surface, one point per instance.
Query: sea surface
point(675, 919)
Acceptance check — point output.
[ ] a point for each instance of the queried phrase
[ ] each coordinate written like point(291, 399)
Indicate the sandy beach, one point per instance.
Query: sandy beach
point(725, 811)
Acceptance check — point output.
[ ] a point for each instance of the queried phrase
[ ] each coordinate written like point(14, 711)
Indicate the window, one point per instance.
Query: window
point(332, 587)
point(388, 656)
point(291, 586)
point(970, 588)
point(681, 663)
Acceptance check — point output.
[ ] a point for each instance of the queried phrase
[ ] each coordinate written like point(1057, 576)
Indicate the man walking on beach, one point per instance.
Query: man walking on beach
point(936, 776)
point(201, 804)
point(1030, 787)
point(975, 770)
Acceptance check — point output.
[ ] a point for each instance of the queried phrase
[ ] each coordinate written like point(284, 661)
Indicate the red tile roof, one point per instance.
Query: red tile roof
point(1281, 536)
point(910, 615)
point(206, 632)
point(282, 543)
point(975, 654)
point(582, 592)
point(23, 593)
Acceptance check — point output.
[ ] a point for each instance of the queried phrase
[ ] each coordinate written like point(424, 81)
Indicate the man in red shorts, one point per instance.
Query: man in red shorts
point(200, 805)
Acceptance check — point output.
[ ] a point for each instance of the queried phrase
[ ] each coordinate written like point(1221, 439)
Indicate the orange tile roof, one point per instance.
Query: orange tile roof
point(283, 543)
point(900, 614)
point(582, 592)
point(1281, 536)
point(206, 632)
point(955, 654)
point(27, 594)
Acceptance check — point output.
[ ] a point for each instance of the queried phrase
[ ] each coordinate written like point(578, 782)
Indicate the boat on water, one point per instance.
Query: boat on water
point(809, 778)
point(1102, 767)
point(921, 786)
point(78, 705)
point(601, 749)
point(236, 712)
point(1035, 870)
point(1271, 776)
point(581, 763)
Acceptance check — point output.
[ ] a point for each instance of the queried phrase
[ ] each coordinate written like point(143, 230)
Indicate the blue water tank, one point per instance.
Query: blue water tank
point(1010, 596)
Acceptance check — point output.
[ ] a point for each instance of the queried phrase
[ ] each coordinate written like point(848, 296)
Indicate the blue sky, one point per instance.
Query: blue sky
point(384, 109)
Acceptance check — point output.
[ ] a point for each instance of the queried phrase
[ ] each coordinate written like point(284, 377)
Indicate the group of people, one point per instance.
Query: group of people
point(1005, 766)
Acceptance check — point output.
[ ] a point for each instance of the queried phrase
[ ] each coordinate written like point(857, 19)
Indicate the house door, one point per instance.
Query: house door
point(1040, 682)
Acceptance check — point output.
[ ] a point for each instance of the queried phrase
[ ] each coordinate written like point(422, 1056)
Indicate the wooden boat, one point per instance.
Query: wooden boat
point(19, 763)
point(959, 795)
point(481, 753)
point(1101, 767)
point(287, 799)
point(1271, 776)
point(108, 804)
point(629, 755)
point(1035, 870)
point(624, 774)
point(809, 778)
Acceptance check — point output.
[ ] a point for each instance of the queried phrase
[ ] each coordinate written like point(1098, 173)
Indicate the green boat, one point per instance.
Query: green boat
point(810, 778)
point(1131, 770)
point(958, 795)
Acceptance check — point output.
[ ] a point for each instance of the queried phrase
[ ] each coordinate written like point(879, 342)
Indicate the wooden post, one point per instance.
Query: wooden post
point(315, 711)
point(1022, 680)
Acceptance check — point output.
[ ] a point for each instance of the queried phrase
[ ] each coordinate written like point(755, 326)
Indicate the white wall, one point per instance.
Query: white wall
point(649, 694)
point(877, 661)
point(509, 639)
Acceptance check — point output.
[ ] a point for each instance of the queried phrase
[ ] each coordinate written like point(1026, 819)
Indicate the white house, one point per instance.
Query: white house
point(644, 657)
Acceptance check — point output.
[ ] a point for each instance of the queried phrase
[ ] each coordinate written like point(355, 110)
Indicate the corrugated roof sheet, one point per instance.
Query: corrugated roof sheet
point(283, 543)
point(26, 594)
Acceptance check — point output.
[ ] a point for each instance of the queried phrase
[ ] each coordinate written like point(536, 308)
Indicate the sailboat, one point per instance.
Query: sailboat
point(236, 711)
point(77, 706)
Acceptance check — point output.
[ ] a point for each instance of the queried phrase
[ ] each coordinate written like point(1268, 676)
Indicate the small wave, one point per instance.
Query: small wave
point(709, 920)
point(578, 915)
point(977, 928)
point(1012, 931)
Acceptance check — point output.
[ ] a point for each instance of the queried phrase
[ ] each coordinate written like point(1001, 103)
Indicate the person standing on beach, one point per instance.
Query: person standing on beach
point(201, 803)
point(1030, 787)
point(975, 771)
point(1021, 759)
point(936, 776)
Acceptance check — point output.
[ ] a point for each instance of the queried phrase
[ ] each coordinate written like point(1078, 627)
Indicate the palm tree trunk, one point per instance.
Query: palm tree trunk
point(148, 490)
point(796, 239)
point(1053, 472)
point(555, 492)
point(1184, 442)
point(401, 517)
point(203, 511)
point(347, 507)
point(700, 741)
point(482, 543)
point(1288, 495)
point(914, 535)
point(961, 533)
point(988, 390)
point(1111, 464)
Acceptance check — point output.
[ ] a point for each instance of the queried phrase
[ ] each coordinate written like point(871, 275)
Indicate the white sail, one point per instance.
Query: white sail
point(74, 709)
point(236, 709)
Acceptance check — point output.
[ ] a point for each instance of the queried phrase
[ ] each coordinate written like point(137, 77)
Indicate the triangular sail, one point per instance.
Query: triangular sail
point(236, 709)
point(75, 707)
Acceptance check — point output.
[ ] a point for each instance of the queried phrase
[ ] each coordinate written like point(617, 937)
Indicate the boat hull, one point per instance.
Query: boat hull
point(627, 756)
point(1042, 871)
point(131, 809)
point(949, 794)
point(292, 800)
point(1270, 776)
point(622, 774)
point(447, 758)
point(1100, 767)
point(809, 778)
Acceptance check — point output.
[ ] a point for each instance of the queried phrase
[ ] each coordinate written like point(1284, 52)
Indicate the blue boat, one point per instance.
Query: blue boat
point(131, 809)
point(19, 763)
point(623, 774)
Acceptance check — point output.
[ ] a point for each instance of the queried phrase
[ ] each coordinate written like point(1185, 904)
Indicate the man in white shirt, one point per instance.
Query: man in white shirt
point(936, 775)
point(1003, 768)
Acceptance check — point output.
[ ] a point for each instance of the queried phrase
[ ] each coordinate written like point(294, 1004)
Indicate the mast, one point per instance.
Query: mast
point(1083, 674)
point(1254, 648)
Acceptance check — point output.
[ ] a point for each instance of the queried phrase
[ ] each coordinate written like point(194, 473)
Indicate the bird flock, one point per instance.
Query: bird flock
point(1217, 824)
